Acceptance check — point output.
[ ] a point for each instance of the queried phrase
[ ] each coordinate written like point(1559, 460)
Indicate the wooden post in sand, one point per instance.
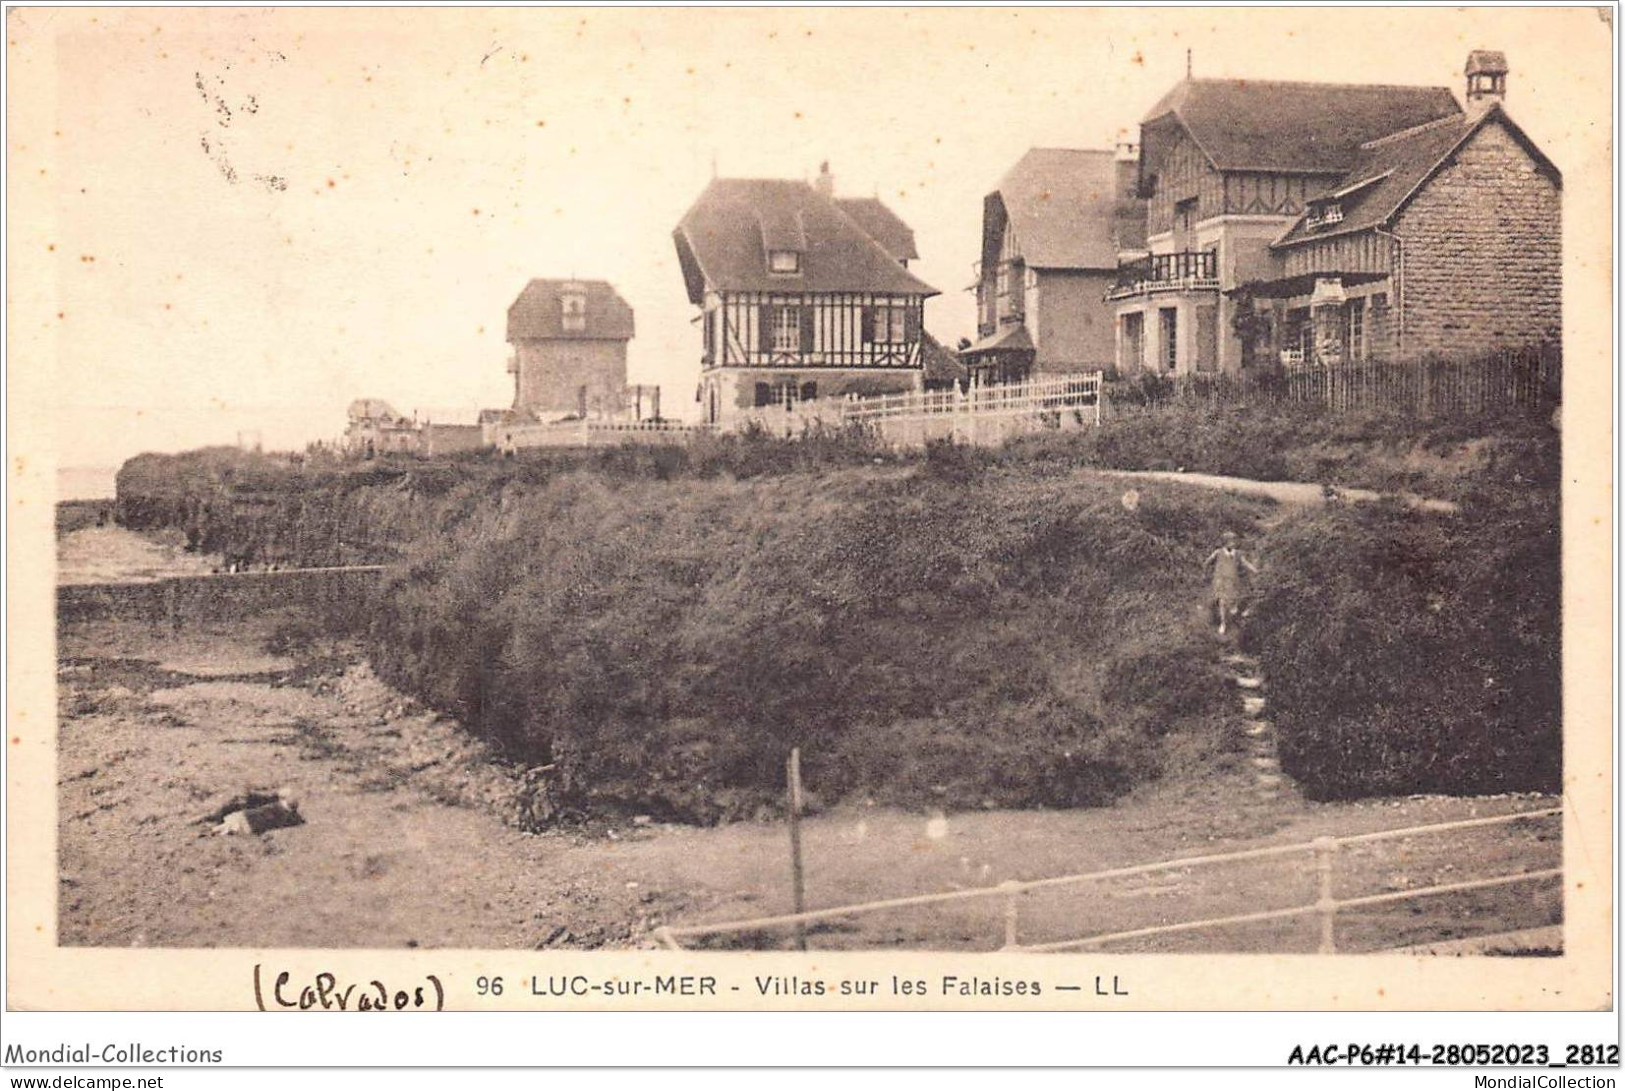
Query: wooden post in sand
point(793, 776)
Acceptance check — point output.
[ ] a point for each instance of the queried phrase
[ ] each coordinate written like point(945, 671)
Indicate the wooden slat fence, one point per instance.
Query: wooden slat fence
point(1521, 380)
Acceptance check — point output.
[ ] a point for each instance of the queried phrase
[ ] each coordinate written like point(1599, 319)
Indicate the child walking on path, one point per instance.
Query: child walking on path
point(1228, 582)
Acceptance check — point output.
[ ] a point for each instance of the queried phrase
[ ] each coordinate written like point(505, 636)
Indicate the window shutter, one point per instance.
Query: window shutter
point(764, 328)
point(911, 323)
point(868, 325)
point(764, 395)
point(806, 328)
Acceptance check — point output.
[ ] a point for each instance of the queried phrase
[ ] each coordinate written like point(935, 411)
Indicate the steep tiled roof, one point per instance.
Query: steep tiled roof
point(1388, 171)
point(881, 224)
point(1304, 128)
point(720, 243)
point(539, 313)
point(1064, 206)
point(372, 409)
point(1011, 338)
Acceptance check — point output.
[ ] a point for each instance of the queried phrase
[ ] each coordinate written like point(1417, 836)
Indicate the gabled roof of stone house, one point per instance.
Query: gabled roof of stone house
point(1064, 206)
point(1389, 171)
point(1287, 127)
point(538, 313)
point(724, 238)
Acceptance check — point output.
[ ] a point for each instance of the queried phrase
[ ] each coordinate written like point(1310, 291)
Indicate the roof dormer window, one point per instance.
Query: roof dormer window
point(784, 261)
point(1325, 215)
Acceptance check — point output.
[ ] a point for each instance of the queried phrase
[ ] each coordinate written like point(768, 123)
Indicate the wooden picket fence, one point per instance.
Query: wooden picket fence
point(1447, 388)
point(1512, 380)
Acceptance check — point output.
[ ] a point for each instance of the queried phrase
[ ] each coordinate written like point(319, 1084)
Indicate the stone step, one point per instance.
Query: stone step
point(1237, 659)
point(1256, 728)
point(1252, 705)
point(1268, 764)
point(1247, 682)
point(1269, 780)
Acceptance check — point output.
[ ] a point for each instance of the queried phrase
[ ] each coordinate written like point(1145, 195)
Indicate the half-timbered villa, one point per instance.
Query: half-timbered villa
point(1340, 221)
point(802, 295)
point(1053, 235)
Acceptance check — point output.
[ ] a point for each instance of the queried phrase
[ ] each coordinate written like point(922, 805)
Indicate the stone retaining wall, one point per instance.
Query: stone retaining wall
point(213, 597)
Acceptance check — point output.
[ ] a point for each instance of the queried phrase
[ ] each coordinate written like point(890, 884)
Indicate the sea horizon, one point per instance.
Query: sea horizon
point(85, 483)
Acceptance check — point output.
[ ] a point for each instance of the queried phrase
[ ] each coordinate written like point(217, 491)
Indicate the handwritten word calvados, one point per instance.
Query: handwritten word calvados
point(326, 993)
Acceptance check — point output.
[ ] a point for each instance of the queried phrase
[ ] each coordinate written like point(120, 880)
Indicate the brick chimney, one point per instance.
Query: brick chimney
point(825, 182)
point(1486, 79)
point(1128, 168)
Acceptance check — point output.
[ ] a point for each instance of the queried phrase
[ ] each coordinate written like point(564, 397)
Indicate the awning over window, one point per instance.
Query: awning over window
point(1302, 284)
point(1013, 338)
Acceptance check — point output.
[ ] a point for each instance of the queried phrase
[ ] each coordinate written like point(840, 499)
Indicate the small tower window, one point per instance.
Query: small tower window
point(575, 312)
point(784, 261)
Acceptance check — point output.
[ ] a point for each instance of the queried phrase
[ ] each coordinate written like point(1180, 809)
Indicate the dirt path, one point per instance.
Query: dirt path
point(1284, 492)
point(405, 842)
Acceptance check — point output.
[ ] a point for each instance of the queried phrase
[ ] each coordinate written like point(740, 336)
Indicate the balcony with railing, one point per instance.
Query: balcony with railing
point(1182, 271)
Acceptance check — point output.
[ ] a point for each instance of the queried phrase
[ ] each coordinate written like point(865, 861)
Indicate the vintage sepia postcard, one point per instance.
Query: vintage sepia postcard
point(810, 509)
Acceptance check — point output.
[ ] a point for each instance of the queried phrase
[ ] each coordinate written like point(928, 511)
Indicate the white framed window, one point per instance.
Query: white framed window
point(784, 393)
point(1185, 216)
point(891, 323)
point(1168, 319)
point(787, 330)
point(783, 261)
point(1325, 215)
point(575, 312)
point(1356, 329)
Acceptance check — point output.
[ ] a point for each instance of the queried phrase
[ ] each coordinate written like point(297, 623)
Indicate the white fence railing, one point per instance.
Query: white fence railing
point(981, 415)
point(1322, 851)
point(1057, 393)
point(588, 433)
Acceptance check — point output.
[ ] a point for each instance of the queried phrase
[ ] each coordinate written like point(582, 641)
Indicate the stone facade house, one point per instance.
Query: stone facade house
point(569, 348)
point(1441, 239)
point(802, 295)
point(1054, 233)
point(1320, 223)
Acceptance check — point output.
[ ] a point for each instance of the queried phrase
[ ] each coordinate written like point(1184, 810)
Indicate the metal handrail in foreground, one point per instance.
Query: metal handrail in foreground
point(1324, 850)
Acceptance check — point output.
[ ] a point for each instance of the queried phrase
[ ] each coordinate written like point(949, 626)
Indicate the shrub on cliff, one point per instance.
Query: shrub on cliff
point(663, 646)
point(1447, 458)
point(1409, 654)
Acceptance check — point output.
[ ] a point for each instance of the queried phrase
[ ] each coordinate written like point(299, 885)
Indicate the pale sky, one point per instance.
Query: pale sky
point(245, 219)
